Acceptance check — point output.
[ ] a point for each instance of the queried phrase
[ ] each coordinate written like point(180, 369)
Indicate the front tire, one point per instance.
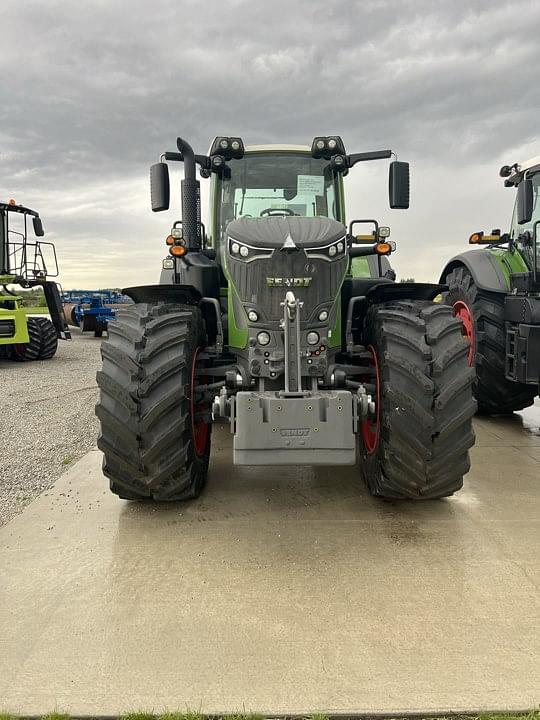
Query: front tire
point(483, 316)
point(417, 446)
point(155, 445)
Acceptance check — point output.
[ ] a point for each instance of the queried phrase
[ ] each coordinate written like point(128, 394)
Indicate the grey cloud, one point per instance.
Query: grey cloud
point(96, 90)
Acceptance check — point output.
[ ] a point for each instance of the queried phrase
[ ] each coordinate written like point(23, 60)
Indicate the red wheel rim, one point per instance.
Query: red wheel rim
point(371, 428)
point(462, 311)
point(200, 429)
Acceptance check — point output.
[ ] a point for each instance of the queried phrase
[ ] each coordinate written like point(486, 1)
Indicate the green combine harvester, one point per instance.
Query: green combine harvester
point(23, 263)
point(495, 291)
point(283, 322)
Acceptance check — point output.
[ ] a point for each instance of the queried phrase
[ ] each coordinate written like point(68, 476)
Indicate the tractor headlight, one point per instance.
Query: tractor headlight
point(168, 264)
point(177, 233)
point(229, 148)
point(312, 338)
point(326, 147)
point(247, 253)
point(330, 252)
point(263, 338)
point(323, 316)
point(252, 316)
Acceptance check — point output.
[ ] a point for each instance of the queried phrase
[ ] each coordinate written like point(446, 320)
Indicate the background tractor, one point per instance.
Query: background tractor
point(28, 265)
point(262, 324)
point(496, 292)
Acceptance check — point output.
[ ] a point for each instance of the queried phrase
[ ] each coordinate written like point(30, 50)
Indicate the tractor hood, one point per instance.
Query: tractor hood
point(275, 232)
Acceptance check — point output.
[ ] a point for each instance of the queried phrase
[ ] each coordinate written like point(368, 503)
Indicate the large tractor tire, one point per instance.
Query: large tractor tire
point(417, 444)
point(26, 352)
point(49, 339)
point(155, 444)
point(482, 314)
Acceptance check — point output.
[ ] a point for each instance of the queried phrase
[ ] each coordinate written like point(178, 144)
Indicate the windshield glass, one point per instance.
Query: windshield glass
point(518, 230)
point(277, 184)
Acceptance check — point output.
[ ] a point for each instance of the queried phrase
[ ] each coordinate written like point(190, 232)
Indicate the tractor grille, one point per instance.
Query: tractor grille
point(287, 271)
point(7, 328)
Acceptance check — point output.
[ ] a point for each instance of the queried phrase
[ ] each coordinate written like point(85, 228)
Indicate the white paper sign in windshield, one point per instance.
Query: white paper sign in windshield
point(310, 185)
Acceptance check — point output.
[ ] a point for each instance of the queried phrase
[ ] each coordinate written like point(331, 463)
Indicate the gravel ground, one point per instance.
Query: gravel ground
point(47, 419)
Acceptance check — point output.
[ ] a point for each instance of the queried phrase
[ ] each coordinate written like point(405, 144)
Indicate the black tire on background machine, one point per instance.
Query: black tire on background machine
point(494, 393)
point(145, 406)
point(426, 401)
point(26, 352)
point(49, 339)
point(88, 323)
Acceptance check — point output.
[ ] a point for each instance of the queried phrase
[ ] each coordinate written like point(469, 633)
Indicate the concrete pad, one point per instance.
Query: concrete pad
point(280, 590)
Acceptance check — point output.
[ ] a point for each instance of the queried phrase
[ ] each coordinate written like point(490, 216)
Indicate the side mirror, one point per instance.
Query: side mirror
point(398, 185)
point(38, 227)
point(525, 201)
point(160, 190)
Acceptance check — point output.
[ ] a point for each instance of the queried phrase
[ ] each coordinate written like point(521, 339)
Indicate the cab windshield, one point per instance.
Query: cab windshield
point(262, 185)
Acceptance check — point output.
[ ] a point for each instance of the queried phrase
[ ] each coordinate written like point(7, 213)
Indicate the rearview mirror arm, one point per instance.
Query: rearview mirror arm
point(202, 160)
point(373, 155)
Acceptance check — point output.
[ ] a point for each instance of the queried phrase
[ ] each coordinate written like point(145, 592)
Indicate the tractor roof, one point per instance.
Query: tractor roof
point(277, 148)
point(519, 169)
point(529, 164)
point(13, 207)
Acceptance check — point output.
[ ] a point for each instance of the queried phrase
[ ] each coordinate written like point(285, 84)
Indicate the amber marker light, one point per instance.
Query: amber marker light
point(476, 237)
point(177, 250)
point(383, 248)
point(12, 202)
point(169, 240)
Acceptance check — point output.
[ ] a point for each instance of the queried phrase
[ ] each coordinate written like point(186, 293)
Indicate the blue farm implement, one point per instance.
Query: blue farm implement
point(92, 311)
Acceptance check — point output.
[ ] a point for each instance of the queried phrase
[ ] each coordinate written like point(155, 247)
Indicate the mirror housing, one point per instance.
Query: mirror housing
point(160, 190)
point(38, 227)
point(399, 185)
point(524, 201)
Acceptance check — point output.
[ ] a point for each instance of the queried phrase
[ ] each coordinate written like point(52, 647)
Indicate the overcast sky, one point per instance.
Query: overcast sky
point(91, 93)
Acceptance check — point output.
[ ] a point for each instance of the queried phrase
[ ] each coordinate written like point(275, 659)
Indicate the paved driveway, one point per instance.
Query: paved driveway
point(280, 590)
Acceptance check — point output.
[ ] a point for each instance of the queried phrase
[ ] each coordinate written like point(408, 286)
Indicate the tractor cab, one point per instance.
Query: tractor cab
point(279, 181)
point(276, 181)
point(526, 216)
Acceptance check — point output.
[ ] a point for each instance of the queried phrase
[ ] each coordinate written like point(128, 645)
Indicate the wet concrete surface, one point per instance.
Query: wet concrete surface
point(280, 590)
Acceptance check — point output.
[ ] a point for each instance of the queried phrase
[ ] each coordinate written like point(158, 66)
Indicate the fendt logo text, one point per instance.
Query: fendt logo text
point(288, 281)
point(294, 432)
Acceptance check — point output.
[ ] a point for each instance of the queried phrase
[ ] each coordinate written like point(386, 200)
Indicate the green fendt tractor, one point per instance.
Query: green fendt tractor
point(23, 263)
point(262, 325)
point(496, 293)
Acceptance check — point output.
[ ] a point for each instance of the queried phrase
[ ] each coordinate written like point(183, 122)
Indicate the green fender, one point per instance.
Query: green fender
point(490, 268)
